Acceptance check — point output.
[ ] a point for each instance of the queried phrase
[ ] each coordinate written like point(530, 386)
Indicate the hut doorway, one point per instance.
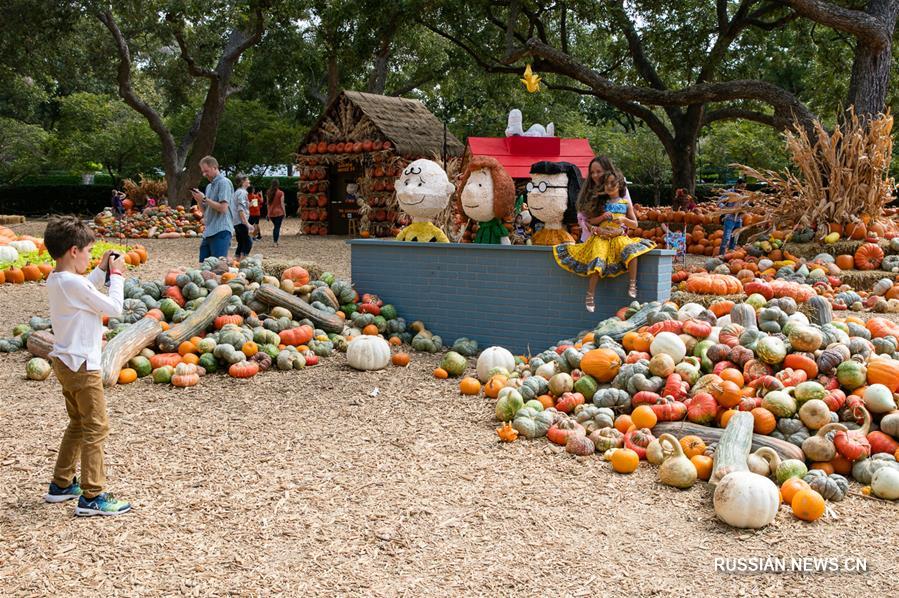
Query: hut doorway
point(342, 205)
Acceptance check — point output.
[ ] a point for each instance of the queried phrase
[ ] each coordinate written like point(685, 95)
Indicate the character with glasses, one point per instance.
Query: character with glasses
point(609, 251)
point(423, 192)
point(552, 195)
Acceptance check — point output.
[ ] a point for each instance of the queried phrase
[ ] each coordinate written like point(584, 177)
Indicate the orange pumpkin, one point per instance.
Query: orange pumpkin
point(845, 261)
point(493, 386)
point(728, 394)
point(644, 417)
point(623, 423)
point(807, 505)
point(250, 348)
point(469, 386)
point(637, 341)
point(186, 347)
point(732, 375)
point(625, 460)
point(370, 330)
point(602, 364)
point(825, 466)
point(855, 231)
point(14, 275)
point(884, 371)
point(297, 274)
point(546, 401)
point(31, 273)
point(722, 307)
point(441, 373)
point(401, 360)
point(790, 487)
point(127, 376)
point(868, 256)
point(190, 358)
point(703, 465)
point(692, 446)
point(764, 421)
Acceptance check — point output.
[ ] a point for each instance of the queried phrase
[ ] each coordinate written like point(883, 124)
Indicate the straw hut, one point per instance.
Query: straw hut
point(349, 159)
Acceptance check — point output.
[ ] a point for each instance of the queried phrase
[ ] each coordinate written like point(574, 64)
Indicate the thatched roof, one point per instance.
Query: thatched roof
point(408, 124)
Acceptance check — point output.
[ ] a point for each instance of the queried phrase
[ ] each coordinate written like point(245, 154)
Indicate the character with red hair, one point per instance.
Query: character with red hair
point(487, 195)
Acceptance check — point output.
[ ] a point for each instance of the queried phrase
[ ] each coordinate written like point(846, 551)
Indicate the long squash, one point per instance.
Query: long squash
point(617, 328)
point(785, 450)
point(40, 343)
point(126, 345)
point(274, 297)
point(196, 322)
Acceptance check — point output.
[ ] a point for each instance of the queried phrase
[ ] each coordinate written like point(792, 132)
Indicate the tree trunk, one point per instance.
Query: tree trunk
point(870, 81)
point(683, 168)
point(333, 76)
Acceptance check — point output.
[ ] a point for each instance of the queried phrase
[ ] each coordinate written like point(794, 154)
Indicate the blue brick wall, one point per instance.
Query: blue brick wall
point(513, 296)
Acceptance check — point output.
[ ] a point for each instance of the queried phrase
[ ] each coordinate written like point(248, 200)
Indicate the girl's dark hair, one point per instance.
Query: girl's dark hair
point(589, 198)
point(614, 172)
point(65, 232)
point(272, 189)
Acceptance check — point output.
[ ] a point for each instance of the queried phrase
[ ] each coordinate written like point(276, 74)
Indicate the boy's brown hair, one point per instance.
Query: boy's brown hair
point(65, 232)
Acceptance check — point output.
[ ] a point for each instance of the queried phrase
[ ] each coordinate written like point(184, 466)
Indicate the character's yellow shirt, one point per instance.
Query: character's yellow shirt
point(422, 232)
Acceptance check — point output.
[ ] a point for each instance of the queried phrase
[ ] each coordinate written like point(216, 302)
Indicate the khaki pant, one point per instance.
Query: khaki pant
point(87, 431)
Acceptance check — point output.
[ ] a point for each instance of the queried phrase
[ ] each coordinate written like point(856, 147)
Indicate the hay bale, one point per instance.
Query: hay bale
point(277, 267)
point(681, 297)
point(844, 246)
point(864, 280)
point(6, 219)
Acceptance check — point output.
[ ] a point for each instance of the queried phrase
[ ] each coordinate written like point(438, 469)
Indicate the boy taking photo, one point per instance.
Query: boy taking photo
point(77, 308)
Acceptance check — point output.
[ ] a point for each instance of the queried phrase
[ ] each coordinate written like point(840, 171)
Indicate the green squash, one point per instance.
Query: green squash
point(141, 365)
point(806, 391)
point(790, 468)
point(163, 375)
point(586, 385)
point(531, 422)
point(270, 349)
point(344, 292)
point(328, 278)
point(508, 404)
point(209, 363)
point(462, 346)
point(206, 345)
point(37, 368)
point(851, 374)
point(169, 308)
point(771, 350)
point(779, 403)
point(388, 311)
point(454, 364)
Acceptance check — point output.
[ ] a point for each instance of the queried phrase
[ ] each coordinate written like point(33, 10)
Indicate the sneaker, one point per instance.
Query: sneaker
point(57, 494)
point(102, 504)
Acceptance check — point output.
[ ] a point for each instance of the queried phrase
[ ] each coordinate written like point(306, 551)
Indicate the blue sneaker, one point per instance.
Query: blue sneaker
point(57, 494)
point(102, 504)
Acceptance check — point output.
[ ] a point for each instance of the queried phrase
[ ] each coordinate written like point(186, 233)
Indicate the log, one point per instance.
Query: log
point(126, 345)
point(40, 343)
point(784, 449)
point(196, 322)
point(274, 297)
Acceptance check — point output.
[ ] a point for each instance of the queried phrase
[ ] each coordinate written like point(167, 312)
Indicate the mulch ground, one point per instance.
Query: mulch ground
point(329, 481)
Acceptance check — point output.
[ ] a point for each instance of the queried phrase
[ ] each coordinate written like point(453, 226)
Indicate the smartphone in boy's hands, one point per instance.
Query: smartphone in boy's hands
point(112, 256)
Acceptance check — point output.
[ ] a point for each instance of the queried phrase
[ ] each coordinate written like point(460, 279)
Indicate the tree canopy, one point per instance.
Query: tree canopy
point(666, 88)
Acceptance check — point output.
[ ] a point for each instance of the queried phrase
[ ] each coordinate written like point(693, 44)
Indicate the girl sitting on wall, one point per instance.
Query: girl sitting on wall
point(608, 252)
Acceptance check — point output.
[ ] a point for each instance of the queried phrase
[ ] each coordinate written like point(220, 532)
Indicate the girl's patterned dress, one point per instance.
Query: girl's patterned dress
point(606, 257)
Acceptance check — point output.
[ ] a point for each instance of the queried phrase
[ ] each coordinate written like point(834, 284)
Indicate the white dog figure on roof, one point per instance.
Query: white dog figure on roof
point(514, 127)
point(423, 192)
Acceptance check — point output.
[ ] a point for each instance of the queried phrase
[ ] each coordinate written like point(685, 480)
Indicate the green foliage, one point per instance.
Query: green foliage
point(98, 131)
point(252, 137)
point(23, 149)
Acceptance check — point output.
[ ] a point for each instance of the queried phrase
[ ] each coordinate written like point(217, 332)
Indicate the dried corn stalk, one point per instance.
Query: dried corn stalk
point(139, 192)
point(840, 177)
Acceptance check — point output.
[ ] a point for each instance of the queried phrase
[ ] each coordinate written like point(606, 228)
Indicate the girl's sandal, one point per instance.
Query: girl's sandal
point(632, 289)
point(588, 302)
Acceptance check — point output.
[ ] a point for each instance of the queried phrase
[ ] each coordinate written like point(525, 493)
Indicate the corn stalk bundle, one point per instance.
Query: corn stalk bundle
point(139, 192)
point(841, 177)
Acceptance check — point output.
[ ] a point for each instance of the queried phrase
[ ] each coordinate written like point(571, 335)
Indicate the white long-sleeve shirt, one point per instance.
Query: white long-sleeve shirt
point(77, 308)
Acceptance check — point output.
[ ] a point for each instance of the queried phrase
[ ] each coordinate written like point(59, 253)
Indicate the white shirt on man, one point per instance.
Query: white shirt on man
point(77, 307)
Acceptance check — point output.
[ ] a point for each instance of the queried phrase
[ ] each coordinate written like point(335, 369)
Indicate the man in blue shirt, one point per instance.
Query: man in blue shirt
point(732, 220)
point(216, 215)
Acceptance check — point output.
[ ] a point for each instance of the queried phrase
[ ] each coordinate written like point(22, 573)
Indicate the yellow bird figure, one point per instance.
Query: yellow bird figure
point(531, 80)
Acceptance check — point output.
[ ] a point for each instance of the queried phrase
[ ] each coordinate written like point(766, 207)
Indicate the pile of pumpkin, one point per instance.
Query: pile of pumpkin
point(792, 276)
point(234, 318)
point(25, 259)
point(161, 222)
point(814, 400)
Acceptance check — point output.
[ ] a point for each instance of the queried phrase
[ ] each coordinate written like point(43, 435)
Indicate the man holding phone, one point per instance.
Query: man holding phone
point(216, 214)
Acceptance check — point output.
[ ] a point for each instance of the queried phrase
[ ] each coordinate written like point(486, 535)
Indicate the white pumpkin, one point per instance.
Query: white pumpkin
point(494, 357)
point(547, 370)
point(798, 318)
point(368, 352)
point(879, 399)
point(24, 246)
point(669, 343)
point(746, 500)
point(689, 311)
point(885, 483)
point(8, 253)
